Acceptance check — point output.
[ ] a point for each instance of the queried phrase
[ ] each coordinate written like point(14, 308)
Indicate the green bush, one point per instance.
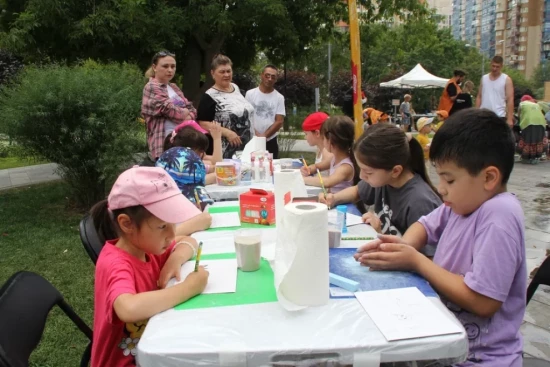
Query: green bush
point(82, 117)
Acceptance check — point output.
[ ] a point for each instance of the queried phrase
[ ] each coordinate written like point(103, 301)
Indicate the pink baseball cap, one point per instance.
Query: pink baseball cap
point(154, 189)
point(191, 123)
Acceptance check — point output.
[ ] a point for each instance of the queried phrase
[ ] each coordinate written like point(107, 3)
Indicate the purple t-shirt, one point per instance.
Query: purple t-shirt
point(487, 248)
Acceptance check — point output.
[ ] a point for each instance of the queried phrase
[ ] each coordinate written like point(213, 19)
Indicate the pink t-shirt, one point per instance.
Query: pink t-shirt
point(344, 184)
point(117, 272)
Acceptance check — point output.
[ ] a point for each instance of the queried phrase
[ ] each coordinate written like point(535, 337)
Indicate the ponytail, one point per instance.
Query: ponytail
point(103, 222)
point(417, 163)
point(150, 73)
point(340, 131)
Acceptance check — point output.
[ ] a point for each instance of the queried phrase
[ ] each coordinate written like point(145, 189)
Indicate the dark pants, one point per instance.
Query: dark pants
point(272, 146)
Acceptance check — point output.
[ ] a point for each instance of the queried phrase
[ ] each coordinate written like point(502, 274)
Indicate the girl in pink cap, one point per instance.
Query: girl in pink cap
point(133, 270)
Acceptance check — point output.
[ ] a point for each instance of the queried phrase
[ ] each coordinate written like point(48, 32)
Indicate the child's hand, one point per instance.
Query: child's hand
point(373, 220)
point(197, 280)
point(216, 130)
point(392, 256)
point(304, 171)
point(207, 219)
point(329, 200)
point(170, 270)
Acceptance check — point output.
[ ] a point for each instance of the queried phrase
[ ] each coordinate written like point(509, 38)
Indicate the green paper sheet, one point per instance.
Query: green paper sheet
point(231, 209)
point(252, 287)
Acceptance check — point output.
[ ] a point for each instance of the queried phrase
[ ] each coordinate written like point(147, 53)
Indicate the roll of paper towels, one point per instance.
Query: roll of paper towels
point(255, 144)
point(302, 256)
point(285, 181)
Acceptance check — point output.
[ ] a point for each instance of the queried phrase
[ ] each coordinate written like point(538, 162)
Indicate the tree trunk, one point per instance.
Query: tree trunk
point(198, 60)
point(192, 70)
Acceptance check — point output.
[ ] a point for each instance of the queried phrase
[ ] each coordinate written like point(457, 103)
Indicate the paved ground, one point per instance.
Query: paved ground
point(15, 177)
point(531, 184)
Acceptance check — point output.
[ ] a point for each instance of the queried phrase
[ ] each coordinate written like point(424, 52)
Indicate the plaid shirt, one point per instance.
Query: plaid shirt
point(157, 107)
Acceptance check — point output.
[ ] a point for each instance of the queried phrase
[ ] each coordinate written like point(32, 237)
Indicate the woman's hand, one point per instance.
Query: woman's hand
point(233, 138)
point(373, 220)
point(216, 130)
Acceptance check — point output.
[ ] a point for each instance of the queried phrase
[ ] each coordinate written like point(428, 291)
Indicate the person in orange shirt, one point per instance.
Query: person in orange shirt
point(451, 91)
point(373, 116)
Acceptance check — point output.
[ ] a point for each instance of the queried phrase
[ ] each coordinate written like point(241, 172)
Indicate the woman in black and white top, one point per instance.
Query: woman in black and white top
point(225, 104)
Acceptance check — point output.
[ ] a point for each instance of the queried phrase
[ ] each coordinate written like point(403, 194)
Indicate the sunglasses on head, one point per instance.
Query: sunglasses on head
point(163, 54)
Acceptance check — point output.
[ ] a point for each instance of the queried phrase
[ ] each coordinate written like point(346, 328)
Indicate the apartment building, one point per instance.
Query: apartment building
point(510, 28)
point(443, 8)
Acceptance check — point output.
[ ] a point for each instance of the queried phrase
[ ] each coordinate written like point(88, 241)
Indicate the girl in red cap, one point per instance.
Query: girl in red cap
point(312, 129)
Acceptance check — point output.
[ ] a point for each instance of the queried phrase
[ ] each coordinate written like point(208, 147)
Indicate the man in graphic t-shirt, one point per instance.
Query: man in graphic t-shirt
point(269, 109)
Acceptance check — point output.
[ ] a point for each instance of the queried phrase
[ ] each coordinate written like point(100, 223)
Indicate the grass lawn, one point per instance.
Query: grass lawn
point(14, 162)
point(308, 156)
point(39, 233)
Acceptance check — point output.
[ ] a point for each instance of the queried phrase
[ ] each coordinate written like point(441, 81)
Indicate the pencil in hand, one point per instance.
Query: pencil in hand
point(305, 163)
point(198, 256)
point(322, 184)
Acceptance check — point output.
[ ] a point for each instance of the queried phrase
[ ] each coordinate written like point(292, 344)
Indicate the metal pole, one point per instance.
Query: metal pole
point(482, 63)
point(329, 65)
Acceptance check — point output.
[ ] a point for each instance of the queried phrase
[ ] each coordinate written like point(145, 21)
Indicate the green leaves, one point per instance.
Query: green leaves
point(83, 118)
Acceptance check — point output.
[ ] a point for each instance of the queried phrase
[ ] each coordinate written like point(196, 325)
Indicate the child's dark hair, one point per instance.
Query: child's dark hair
point(340, 131)
point(187, 137)
point(475, 139)
point(105, 221)
point(384, 146)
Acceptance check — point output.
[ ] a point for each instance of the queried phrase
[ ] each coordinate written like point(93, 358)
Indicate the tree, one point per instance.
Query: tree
point(133, 30)
point(84, 118)
point(388, 50)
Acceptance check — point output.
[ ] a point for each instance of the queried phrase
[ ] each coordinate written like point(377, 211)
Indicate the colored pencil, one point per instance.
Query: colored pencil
point(305, 164)
point(198, 256)
point(322, 184)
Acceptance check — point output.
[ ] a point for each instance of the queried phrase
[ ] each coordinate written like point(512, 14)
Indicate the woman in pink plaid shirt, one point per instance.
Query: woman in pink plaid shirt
point(163, 106)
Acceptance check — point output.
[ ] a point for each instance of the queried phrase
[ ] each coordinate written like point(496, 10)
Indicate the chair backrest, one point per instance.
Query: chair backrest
point(541, 277)
point(25, 302)
point(92, 241)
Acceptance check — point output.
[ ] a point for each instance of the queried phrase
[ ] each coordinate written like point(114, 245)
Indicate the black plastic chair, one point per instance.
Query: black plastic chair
point(25, 302)
point(541, 277)
point(92, 241)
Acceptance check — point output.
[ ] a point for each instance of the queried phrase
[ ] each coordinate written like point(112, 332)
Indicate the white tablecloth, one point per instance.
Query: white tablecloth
point(263, 334)
point(218, 192)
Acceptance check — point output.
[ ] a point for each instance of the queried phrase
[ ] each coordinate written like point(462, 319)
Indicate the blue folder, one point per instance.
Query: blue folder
point(342, 263)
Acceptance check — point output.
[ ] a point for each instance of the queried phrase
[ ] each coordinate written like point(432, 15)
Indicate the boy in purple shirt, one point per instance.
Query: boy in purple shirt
point(479, 264)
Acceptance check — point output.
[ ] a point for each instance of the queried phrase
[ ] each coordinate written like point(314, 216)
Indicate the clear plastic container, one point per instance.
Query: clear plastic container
point(335, 223)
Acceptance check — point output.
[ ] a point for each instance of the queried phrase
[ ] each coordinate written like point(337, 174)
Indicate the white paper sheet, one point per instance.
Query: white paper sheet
point(222, 278)
point(220, 245)
point(352, 219)
point(405, 313)
point(224, 220)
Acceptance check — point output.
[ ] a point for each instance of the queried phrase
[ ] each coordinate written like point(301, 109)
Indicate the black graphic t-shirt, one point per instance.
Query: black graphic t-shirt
point(232, 111)
point(399, 208)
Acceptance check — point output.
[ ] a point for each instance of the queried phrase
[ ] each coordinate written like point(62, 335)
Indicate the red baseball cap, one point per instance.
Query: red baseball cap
point(154, 189)
point(314, 121)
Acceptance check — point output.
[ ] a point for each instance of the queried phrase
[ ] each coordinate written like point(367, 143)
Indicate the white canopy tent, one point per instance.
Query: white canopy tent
point(418, 77)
